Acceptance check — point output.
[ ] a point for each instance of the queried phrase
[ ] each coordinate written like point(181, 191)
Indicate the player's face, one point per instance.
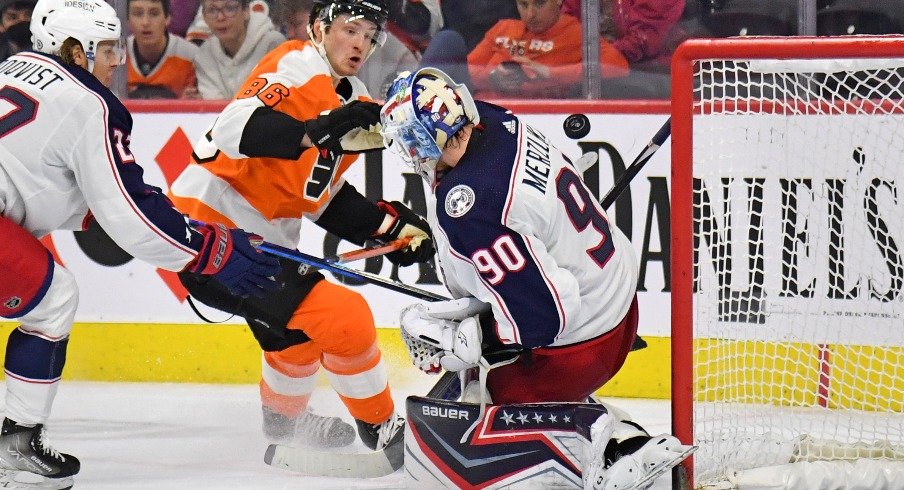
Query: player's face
point(148, 22)
point(227, 19)
point(107, 57)
point(539, 15)
point(347, 43)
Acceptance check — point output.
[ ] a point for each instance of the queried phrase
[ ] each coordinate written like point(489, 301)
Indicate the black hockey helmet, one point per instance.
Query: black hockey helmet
point(375, 11)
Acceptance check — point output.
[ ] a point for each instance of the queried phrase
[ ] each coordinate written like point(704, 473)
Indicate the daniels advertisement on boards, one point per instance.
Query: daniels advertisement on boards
point(116, 288)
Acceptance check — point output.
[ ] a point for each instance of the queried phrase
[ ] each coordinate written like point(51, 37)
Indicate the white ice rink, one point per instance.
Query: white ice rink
point(191, 436)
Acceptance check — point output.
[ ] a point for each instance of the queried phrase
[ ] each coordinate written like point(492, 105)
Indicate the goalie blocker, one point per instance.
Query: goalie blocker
point(531, 445)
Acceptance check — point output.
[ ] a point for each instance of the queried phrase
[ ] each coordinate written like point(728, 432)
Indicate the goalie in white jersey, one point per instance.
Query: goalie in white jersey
point(529, 251)
point(64, 160)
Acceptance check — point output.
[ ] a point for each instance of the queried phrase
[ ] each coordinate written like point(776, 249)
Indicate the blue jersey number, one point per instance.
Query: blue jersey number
point(580, 208)
point(22, 113)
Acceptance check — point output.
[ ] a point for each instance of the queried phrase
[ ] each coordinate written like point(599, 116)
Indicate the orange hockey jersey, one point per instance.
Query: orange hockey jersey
point(559, 48)
point(174, 71)
point(268, 195)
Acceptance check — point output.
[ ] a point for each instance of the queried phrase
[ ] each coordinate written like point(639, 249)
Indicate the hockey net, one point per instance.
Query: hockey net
point(788, 257)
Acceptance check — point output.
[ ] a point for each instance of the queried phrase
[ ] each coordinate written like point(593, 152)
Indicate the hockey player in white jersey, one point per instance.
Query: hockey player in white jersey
point(530, 253)
point(64, 160)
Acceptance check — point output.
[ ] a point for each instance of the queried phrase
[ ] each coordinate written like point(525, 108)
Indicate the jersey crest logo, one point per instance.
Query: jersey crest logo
point(459, 201)
point(13, 303)
point(510, 125)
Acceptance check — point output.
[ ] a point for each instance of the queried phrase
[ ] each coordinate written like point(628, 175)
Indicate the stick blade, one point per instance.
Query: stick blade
point(341, 465)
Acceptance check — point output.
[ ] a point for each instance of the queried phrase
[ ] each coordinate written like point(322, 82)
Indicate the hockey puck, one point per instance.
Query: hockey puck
point(576, 126)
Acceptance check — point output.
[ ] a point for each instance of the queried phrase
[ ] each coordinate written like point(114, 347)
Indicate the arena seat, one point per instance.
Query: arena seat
point(752, 18)
point(846, 17)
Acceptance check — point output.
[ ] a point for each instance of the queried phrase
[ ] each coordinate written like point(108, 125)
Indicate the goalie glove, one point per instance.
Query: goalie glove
point(443, 335)
point(350, 128)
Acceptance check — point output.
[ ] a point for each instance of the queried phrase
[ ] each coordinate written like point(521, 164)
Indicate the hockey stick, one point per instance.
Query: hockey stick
point(368, 252)
point(303, 258)
point(326, 265)
point(625, 179)
point(345, 465)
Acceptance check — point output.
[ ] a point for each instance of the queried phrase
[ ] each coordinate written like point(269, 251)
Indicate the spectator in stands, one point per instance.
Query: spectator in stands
point(537, 55)
point(240, 39)
point(293, 17)
point(645, 32)
point(182, 13)
point(15, 35)
point(159, 63)
point(199, 31)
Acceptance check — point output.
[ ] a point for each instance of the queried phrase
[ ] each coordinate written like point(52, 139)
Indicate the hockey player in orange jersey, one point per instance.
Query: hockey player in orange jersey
point(275, 155)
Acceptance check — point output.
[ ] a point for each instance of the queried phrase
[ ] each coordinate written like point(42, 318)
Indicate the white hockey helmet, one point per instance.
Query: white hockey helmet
point(88, 21)
point(423, 110)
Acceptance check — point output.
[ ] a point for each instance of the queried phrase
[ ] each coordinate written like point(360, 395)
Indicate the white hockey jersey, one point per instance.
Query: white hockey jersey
point(64, 156)
point(516, 227)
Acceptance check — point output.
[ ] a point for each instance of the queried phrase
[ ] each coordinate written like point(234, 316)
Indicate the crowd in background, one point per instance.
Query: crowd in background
point(204, 49)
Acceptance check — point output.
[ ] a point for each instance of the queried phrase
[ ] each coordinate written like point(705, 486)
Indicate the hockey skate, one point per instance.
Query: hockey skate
point(385, 439)
point(28, 461)
point(639, 469)
point(623, 456)
point(307, 429)
point(380, 436)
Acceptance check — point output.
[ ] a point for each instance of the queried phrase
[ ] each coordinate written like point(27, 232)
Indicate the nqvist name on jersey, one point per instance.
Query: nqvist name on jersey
point(31, 73)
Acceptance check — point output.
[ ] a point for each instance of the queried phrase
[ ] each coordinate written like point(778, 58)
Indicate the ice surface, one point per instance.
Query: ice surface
point(192, 436)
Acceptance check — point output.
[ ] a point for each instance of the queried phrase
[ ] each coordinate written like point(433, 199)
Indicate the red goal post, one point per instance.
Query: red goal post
point(788, 331)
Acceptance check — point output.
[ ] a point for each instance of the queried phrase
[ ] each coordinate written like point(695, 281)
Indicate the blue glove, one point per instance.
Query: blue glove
point(229, 256)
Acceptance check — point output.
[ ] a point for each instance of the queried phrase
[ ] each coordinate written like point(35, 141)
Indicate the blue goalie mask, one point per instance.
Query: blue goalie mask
point(423, 111)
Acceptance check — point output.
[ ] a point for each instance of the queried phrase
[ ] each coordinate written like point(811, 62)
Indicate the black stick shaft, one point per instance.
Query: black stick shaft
point(625, 179)
point(374, 279)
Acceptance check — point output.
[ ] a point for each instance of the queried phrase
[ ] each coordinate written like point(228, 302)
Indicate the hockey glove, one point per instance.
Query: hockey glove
point(406, 223)
point(229, 257)
point(350, 128)
point(443, 335)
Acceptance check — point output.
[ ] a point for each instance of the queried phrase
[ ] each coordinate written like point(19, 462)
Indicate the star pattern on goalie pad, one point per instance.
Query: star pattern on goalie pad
point(523, 418)
point(453, 444)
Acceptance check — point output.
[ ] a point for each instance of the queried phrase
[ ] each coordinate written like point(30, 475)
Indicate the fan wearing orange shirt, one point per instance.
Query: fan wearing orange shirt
point(538, 55)
point(276, 155)
point(159, 63)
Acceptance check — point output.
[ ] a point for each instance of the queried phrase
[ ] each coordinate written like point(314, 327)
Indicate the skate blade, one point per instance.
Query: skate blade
point(650, 477)
point(25, 479)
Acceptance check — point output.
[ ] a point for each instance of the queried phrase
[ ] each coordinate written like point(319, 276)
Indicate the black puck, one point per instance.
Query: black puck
point(576, 126)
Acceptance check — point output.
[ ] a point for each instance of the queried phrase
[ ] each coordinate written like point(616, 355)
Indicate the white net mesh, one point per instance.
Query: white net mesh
point(798, 235)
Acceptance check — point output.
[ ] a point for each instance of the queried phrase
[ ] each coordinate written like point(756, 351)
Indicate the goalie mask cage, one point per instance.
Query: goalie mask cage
point(788, 259)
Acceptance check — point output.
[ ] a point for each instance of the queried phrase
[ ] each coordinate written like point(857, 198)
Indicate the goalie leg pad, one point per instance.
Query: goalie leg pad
point(533, 442)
